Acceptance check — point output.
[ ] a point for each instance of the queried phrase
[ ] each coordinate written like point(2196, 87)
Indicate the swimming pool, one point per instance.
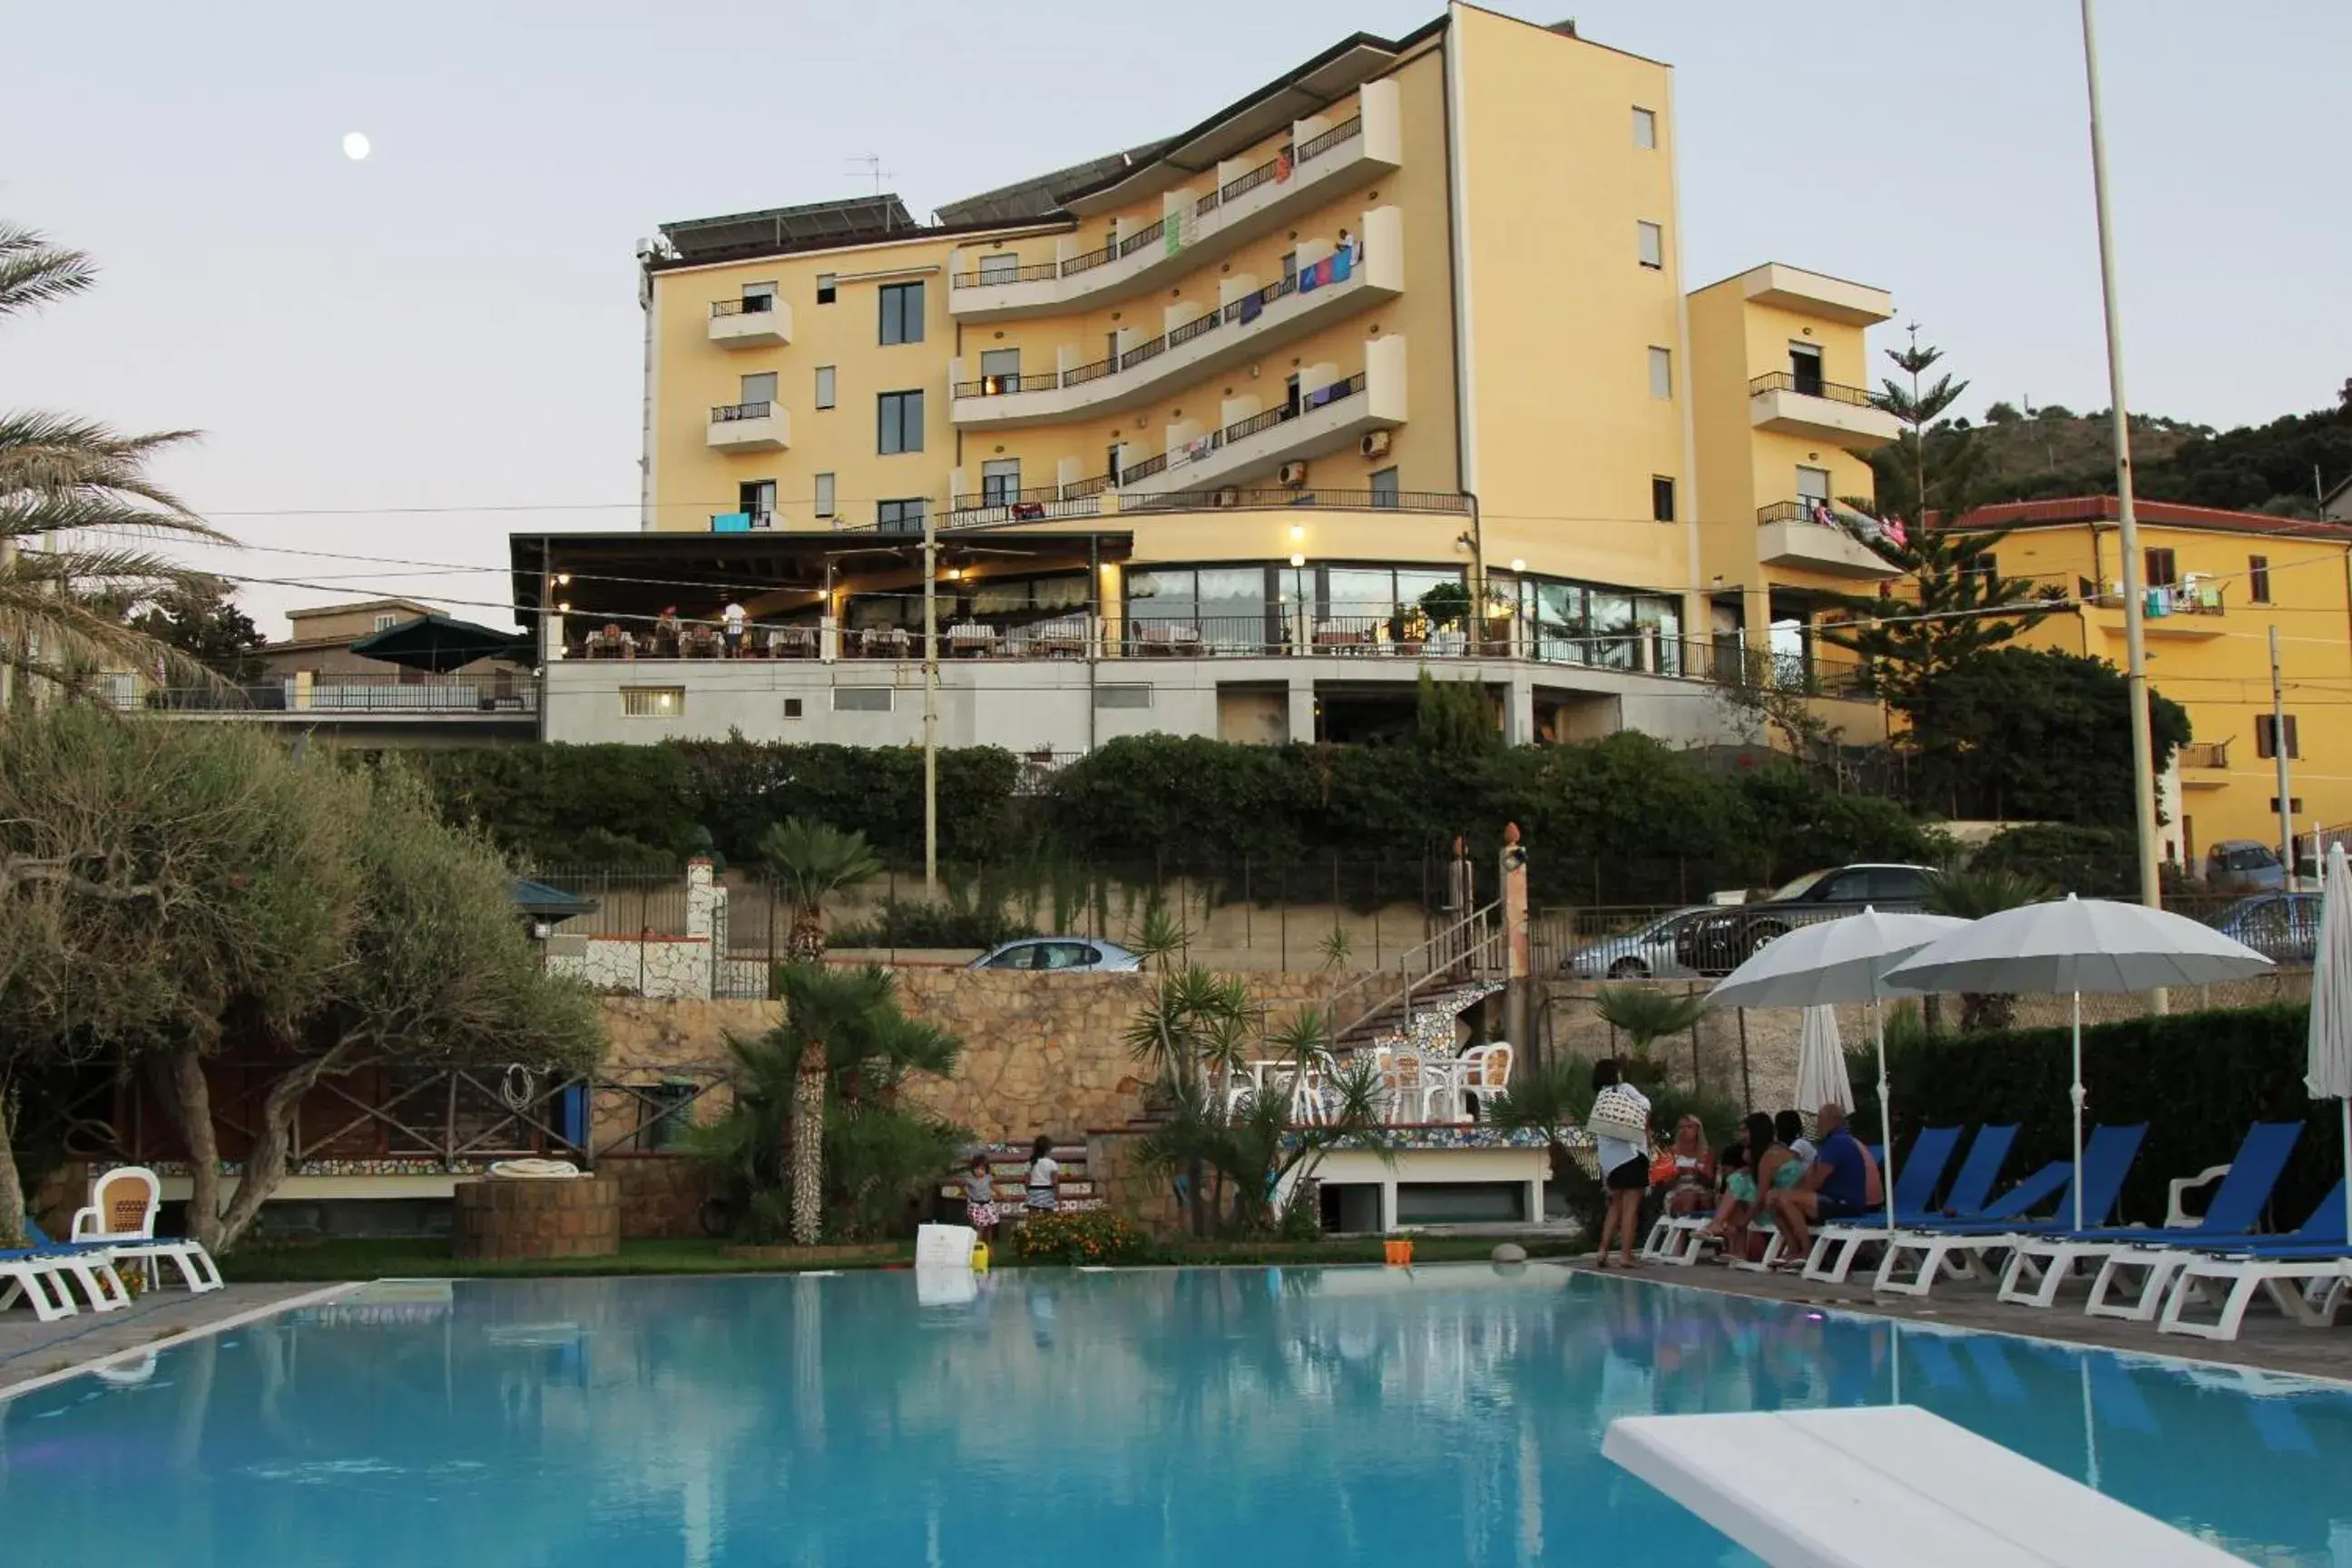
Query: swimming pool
point(1221, 1417)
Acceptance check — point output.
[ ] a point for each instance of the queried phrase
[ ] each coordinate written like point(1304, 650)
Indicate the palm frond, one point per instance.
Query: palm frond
point(34, 271)
point(815, 859)
point(1645, 1013)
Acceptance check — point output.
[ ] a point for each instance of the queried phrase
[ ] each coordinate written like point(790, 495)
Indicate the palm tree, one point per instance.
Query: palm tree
point(63, 479)
point(812, 862)
point(1971, 896)
point(1645, 1013)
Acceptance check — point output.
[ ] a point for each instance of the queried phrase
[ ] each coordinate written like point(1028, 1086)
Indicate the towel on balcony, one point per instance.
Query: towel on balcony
point(1253, 304)
point(1282, 165)
point(1028, 510)
point(1339, 264)
point(1172, 227)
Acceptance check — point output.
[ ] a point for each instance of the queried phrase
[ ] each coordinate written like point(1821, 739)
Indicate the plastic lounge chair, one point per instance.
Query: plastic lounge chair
point(2039, 1268)
point(1916, 1256)
point(2135, 1282)
point(121, 1219)
point(1837, 1245)
point(2308, 1281)
point(43, 1275)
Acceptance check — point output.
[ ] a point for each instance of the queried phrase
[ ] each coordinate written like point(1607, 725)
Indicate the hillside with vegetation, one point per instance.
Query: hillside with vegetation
point(2052, 451)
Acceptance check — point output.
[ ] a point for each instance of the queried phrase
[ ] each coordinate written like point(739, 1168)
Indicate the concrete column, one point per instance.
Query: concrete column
point(1518, 954)
point(1519, 711)
point(1535, 1191)
point(1388, 1202)
point(1302, 708)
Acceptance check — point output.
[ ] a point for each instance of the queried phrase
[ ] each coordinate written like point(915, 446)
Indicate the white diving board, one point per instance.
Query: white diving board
point(1888, 1485)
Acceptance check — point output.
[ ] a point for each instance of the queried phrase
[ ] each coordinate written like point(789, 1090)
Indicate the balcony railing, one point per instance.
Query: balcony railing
point(362, 692)
point(729, 413)
point(1810, 386)
point(754, 305)
point(1127, 244)
point(2203, 754)
point(1794, 511)
point(1242, 430)
point(1004, 386)
point(1236, 497)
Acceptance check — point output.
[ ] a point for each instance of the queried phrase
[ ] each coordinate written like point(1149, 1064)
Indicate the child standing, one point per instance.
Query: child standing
point(1040, 1196)
point(979, 1197)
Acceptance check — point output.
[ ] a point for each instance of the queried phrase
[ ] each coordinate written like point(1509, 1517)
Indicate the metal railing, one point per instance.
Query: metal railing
point(1791, 511)
point(1087, 262)
point(754, 305)
point(1261, 498)
point(1004, 386)
point(1079, 375)
point(1316, 146)
point(362, 692)
point(1242, 430)
point(1130, 244)
point(1468, 951)
point(1809, 386)
point(989, 277)
point(1242, 185)
point(729, 413)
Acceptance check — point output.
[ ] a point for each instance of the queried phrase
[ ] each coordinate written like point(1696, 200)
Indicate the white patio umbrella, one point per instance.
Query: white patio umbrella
point(2071, 946)
point(2330, 1068)
point(1844, 960)
point(1820, 1061)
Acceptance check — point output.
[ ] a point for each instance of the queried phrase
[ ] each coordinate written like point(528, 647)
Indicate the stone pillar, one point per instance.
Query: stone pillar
point(1518, 954)
point(1302, 708)
point(706, 921)
point(1519, 711)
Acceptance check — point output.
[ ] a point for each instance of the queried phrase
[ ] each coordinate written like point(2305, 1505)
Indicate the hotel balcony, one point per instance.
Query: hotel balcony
point(759, 322)
point(1820, 411)
point(1197, 227)
point(1787, 535)
point(2202, 764)
point(749, 427)
point(1335, 415)
point(1817, 294)
point(1239, 331)
point(2189, 609)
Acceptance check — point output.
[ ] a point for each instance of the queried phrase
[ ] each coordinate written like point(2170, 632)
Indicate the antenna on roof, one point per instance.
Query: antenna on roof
point(874, 171)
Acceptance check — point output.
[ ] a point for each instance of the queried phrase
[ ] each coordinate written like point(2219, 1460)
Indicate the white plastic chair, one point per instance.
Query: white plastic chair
point(1484, 1072)
point(122, 1219)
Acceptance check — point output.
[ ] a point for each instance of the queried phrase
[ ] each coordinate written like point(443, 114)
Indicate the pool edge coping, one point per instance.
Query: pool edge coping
point(238, 1320)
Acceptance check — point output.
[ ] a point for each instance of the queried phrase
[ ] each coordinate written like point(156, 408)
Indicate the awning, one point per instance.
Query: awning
point(439, 644)
point(541, 903)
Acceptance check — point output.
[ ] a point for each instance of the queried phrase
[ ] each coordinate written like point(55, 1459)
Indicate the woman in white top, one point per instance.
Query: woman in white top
point(1039, 1197)
point(1625, 1172)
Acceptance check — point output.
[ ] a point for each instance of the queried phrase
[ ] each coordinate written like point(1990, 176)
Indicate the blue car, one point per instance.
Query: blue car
point(2282, 927)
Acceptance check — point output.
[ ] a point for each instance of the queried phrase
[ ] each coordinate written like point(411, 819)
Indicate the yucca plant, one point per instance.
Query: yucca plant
point(812, 862)
point(70, 489)
point(1647, 1013)
point(1159, 936)
point(1971, 896)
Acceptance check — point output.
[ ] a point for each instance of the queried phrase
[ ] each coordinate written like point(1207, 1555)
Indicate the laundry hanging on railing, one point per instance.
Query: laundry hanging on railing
point(1339, 264)
point(1173, 227)
point(1253, 304)
point(1282, 164)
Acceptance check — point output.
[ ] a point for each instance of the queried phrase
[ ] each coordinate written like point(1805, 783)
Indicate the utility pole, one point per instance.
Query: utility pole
point(930, 704)
point(2279, 753)
point(2151, 892)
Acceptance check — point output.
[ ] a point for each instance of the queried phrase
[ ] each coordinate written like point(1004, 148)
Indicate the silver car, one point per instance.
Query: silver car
point(1645, 952)
point(1061, 953)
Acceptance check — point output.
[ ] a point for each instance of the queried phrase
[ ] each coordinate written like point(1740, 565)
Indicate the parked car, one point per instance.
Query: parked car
point(1057, 953)
point(2282, 927)
point(1645, 952)
point(1723, 940)
point(2241, 865)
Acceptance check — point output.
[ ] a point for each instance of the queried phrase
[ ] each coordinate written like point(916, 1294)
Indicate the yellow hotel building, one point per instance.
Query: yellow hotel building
point(2217, 583)
point(1388, 366)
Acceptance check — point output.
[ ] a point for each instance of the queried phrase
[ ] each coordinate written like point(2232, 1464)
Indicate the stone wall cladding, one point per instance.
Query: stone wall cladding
point(661, 1195)
point(503, 1221)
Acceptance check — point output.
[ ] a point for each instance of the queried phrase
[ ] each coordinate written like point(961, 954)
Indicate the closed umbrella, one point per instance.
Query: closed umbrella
point(2071, 946)
point(1820, 1061)
point(1844, 960)
point(2330, 1069)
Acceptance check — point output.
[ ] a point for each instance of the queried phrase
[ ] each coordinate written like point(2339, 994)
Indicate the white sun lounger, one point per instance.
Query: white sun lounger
point(1891, 1484)
point(2309, 1290)
point(43, 1276)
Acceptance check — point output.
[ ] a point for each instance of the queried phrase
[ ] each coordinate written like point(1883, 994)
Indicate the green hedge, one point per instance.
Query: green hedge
point(2197, 1079)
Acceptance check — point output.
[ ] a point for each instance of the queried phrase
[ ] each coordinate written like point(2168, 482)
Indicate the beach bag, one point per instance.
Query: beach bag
point(1618, 1112)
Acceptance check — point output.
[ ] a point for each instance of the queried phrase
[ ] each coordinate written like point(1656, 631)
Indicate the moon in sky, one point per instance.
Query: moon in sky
point(355, 145)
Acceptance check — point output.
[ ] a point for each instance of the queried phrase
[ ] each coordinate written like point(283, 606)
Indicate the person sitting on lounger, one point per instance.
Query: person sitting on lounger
point(1835, 1186)
point(1739, 1199)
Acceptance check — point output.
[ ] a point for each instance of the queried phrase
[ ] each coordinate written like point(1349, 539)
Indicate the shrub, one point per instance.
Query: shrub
point(923, 925)
point(1088, 1235)
point(2096, 862)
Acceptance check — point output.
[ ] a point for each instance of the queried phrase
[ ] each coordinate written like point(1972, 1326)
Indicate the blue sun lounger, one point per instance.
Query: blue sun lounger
point(2308, 1277)
point(1916, 1256)
point(2135, 1283)
point(1836, 1247)
point(2037, 1268)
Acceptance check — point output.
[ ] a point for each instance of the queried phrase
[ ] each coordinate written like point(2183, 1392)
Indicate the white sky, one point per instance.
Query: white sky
point(452, 325)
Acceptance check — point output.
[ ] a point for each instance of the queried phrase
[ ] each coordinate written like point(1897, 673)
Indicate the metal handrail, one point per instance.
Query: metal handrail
point(1260, 498)
point(1781, 381)
point(1079, 375)
point(1134, 242)
point(1181, 335)
point(1316, 145)
point(1005, 385)
point(1034, 272)
point(1144, 469)
point(749, 305)
point(1151, 348)
point(1470, 943)
point(2205, 754)
point(727, 413)
point(1232, 311)
point(1785, 512)
point(1242, 185)
point(1091, 259)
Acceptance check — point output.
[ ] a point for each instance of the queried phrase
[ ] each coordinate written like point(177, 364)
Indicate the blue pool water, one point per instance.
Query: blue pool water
point(1450, 1414)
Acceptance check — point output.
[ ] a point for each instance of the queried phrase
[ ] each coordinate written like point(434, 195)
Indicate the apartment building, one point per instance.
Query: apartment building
point(2217, 583)
point(1386, 367)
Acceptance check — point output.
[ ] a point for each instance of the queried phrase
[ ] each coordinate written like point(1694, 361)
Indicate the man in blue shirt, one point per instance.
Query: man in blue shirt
point(1835, 1186)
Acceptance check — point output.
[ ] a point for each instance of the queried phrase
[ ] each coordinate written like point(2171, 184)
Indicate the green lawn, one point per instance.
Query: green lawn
point(328, 1260)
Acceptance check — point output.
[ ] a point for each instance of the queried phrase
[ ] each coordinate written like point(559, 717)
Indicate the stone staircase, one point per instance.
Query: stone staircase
point(1460, 966)
point(1074, 1188)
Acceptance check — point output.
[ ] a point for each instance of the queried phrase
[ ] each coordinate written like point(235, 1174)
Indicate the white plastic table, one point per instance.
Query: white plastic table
point(1891, 1484)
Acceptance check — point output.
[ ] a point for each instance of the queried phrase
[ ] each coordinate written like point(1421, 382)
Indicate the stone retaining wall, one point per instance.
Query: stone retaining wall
point(502, 1221)
point(661, 1194)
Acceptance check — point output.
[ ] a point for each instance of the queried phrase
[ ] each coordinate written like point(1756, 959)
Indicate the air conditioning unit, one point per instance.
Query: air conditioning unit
point(1293, 475)
point(1229, 496)
point(1375, 443)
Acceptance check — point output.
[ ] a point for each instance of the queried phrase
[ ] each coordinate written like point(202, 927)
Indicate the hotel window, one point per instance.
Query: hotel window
point(759, 394)
point(899, 423)
point(825, 495)
point(2266, 737)
point(999, 371)
point(1662, 374)
point(791, 707)
point(2258, 579)
point(385, 622)
point(901, 516)
point(1662, 498)
point(824, 379)
point(861, 698)
point(756, 498)
point(2293, 805)
point(1123, 696)
point(1653, 241)
point(1384, 487)
point(999, 481)
point(1645, 128)
point(902, 313)
point(653, 701)
point(758, 298)
point(2161, 570)
point(1000, 267)
point(824, 287)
